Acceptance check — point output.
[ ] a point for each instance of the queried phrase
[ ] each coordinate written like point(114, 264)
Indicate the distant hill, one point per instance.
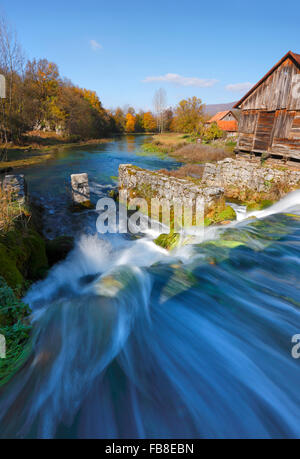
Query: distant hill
point(212, 109)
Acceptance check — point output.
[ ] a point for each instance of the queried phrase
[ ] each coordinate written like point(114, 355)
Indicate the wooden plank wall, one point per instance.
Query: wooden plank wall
point(273, 95)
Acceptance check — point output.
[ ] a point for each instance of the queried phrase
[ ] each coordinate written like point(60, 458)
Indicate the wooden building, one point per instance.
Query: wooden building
point(227, 121)
point(269, 121)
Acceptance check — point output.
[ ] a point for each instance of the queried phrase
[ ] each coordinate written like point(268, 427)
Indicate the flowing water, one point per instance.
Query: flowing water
point(132, 341)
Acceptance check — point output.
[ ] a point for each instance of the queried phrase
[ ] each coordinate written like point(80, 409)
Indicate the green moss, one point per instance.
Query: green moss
point(259, 205)
point(224, 243)
point(168, 241)
point(15, 327)
point(227, 214)
point(9, 270)
point(22, 256)
point(220, 215)
point(22, 260)
point(37, 261)
point(208, 221)
point(217, 251)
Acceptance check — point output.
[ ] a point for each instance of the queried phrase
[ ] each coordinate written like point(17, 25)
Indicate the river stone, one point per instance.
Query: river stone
point(17, 185)
point(80, 188)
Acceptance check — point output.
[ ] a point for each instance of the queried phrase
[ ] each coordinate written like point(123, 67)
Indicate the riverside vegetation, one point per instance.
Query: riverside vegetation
point(25, 257)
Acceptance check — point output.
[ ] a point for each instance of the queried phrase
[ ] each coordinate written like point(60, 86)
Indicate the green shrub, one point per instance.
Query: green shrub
point(213, 132)
point(15, 327)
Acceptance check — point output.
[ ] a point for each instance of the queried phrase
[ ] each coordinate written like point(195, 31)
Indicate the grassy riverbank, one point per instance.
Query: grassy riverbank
point(186, 149)
point(38, 147)
point(174, 143)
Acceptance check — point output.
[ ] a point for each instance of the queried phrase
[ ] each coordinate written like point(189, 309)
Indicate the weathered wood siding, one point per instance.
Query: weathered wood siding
point(264, 131)
point(270, 115)
point(275, 93)
point(247, 127)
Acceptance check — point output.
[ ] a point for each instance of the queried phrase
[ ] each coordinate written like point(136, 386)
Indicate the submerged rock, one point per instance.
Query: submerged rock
point(168, 241)
point(81, 192)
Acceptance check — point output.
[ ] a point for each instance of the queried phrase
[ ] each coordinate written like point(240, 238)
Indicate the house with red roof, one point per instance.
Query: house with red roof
point(269, 122)
point(227, 121)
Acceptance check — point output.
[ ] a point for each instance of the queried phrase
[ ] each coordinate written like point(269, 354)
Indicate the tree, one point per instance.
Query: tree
point(42, 86)
point(12, 120)
point(139, 117)
point(213, 132)
point(130, 123)
point(160, 100)
point(189, 115)
point(168, 119)
point(149, 122)
point(119, 120)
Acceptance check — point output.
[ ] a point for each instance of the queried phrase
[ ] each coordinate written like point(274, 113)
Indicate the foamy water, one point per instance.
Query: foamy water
point(132, 341)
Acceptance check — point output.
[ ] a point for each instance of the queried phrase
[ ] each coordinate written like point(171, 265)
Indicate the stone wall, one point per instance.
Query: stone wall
point(142, 183)
point(248, 175)
point(233, 178)
point(16, 184)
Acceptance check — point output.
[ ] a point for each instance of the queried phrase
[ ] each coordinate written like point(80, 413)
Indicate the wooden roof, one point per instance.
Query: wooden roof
point(293, 56)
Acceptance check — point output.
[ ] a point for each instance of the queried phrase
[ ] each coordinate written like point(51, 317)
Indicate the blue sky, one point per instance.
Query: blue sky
point(125, 50)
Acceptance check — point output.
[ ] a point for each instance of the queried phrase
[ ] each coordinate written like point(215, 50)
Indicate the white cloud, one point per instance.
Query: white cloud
point(239, 87)
point(95, 45)
point(181, 80)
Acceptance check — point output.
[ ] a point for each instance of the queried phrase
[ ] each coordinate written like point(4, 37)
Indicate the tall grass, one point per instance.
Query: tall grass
point(196, 153)
point(10, 209)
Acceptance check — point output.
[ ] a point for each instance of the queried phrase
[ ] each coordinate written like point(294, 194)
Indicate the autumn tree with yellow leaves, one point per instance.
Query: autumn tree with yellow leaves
point(189, 116)
point(130, 123)
point(149, 122)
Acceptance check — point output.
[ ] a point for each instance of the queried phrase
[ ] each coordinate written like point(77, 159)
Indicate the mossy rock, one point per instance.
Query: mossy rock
point(261, 205)
point(225, 215)
point(18, 251)
point(38, 261)
point(58, 248)
point(22, 256)
point(168, 241)
point(9, 270)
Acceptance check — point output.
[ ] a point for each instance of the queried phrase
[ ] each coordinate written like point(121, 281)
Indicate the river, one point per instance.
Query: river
point(131, 341)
